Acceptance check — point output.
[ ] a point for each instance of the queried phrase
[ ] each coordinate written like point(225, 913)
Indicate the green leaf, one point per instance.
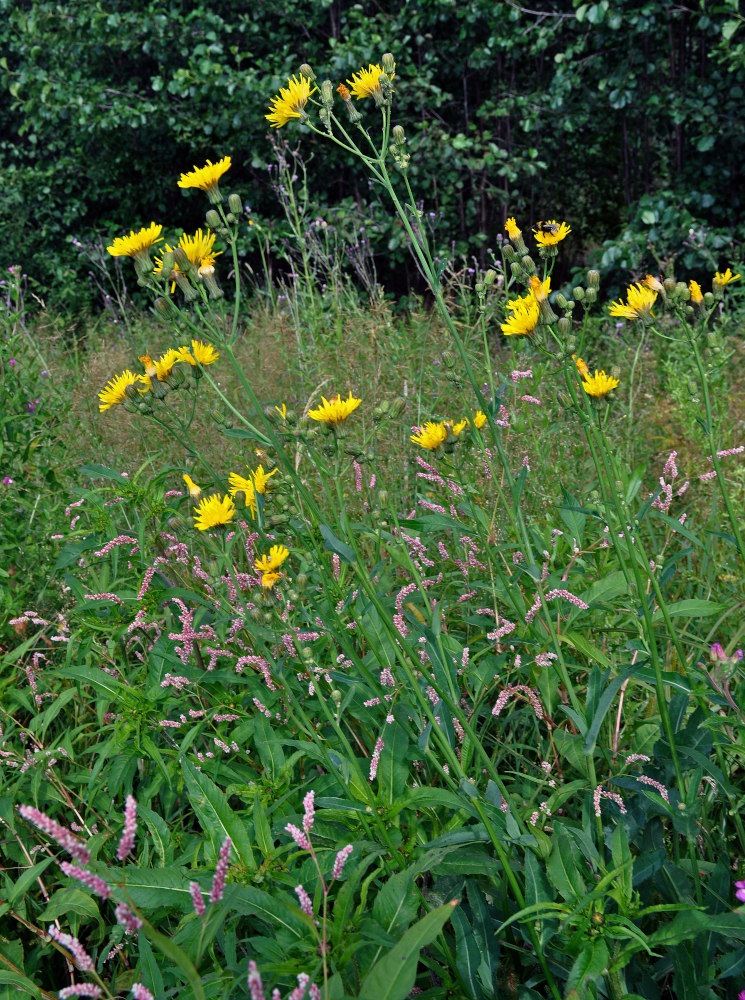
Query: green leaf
point(467, 953)
point(396, 904)
point(563, 871)
point(216, 817)
point(26, 879)
point(393, 976)
point(178, 957)
point(588, 966)
point(604, 703)
point(269, 748)
point(693, 608)
point(582, 645)
point(333, 544)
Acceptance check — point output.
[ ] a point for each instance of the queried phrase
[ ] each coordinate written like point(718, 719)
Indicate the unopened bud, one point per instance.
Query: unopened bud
point(490, 276)
point(591, 296)
point(593, 279)
point(167, 262)
point(708, 299)
point(384, 82)
point(397, 407)
point(509, 252)
point(669, 285)
point(517, 271)
point(389, 63)
point(561, 301)
point(382, 497)
point(479, 288)
point(712, 340)
point(164, 307)
point(682, 291)
point(213, 219)
point(578, 293)
point(528, 264)
point(307, 72)
point(565, 326)
point(301, 581)
point(336, 696)
point(564, 398)
point(616, 373)
point(131, 392)
point(327, 94)
point(448, 359)
point(235, 204)
point(399, 136)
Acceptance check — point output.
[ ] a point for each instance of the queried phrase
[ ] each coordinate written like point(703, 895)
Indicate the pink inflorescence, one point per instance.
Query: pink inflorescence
point(341, 859)
point(80, 990)
point(130, 828)
point(306, 903)
point(129, 921)
point(94, 882)
point(140, 992)
point(298, 836)
point(197, 899)
point(309, 811)
point(221, 869)
point(57, 832)
point(375, 759)
point(519, 689)
point(602, 793)
point(657, 785)
point(81, 957)
point(550, 596)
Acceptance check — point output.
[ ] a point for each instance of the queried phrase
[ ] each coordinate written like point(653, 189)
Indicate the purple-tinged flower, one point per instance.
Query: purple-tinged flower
point(218, 883)
point(80, 990)
point(717, 652)
point(306, 903)
point(255, 985)
point(310, 811)
point(80, 956)
point(130, 828)
point(341, 859)
point(740, 891)
point(94, 882)
point(302, 985)
point(197, 899)
point(375, 759)
point(57, 832)
point(298, 836)
point(12, 362)
point(7, 481)
point(129, 921)
point(140, 992)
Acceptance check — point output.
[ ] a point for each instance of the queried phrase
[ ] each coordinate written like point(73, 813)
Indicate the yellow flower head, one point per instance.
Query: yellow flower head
point(456, 428)
point(720, 280)
point(479, 419)
point(523, 318)
point(212, 511)
point(199, 248)
point(136, 243)
point(431, 435)
point(581, 366)
point(164, 364)
point(550, 233)
point(200, 354)
point(336, 410)
point(542, 293)
point(272, 562)
point(205, 178)
point(195, 491)
point(290, 103)
point(366, 82)
point(599, 384)
point(149, 365)
point(282, 410)
point(696, 294)
point(513, 230)
point(115, 389)
point(261, 480)
point(269, 579)
point(240, 484)
point(654, 283)
point(638, 305)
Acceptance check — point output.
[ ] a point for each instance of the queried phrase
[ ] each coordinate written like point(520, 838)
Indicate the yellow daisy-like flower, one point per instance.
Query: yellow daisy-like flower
point(261, 480)
point(205, 178)
point(212, 511)
point(581, 366)
point(599, 384)
point(164, 364)
point(638, 305)
point(654, 283)
point(269, 579)
point(523, 319)
point(550, 238)
point(722, 279)
point(115, 390)
point(282, 410)
point(513, 230)
point(336, 410)
point(136, 244)
point(149, 365)
point(272, 562)
point(200, 354)
point(456, 428)
point(290, 102)
point(431, 435)
point(697, 296)
point(195, 491)
point(241, 484)
point(366, 83)
point(532, 296)
point(479, 419)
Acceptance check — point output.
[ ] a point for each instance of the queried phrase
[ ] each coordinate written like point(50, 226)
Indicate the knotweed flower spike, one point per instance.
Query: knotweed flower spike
point(136, 244)
point(206, 178)
point(213, 511)
point(431, 435)
point(334, 411)
point(115, 390)
point(638, 305)
point(599, 384)
point(548, 234)
point(523, 319)
point(290, 103)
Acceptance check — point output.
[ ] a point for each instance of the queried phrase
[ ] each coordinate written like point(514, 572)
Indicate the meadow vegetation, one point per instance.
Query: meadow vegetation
point(357, 652)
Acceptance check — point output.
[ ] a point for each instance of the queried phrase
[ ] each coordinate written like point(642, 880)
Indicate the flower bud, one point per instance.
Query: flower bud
point(578, 293)
point(564, 398)
point(382, 497)
point(235, 204)
point(528, 264)
point(682, 291)
point(165, 307)
point(593, 279)
point(517, 271)
point(213, 219)
point(509, 252)
point(175, 378)
point(565, 326)
point(708, 299)
point(399, 136)
point(712, 340)
point(207, 274)
point(669, 285)
point(178, 278)
point(490, 276)
point(561, 301)
point(397, 407)
point(384, 82)
point(327, 94)
point(616, 373)
point(167, 262)
point(307, 72)
point(131, 392)
point(301, 581)
point(389, 63)
point(448, 359)
point(591, 296)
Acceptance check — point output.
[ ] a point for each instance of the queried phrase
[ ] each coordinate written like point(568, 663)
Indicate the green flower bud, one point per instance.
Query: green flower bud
point(708, 299)
point(389, 63)
point(167, 262)
point(383, 497)
point(561, 301)
point(301, 581)
point(517, 271)
point(235, 204)
point(564, 398)
point(307, 72)
point(327, 94)
point(565, 326)
point(669, 285)
point(711, 341)
point(509, 252)
point(578, 293)
point(231, 218)
point(165, 307)
point(490, 276)
point(399, 136)
point(682, 291)
point(397, 407)
point(591, 296)
point(528, 264)
point(593, 279)
point(448, 359)
point(213, 219)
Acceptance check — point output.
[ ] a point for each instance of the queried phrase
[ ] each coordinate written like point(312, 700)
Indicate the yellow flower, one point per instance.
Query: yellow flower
point(366, 82)
point(261, 480)
point(431, 435)
point(550, 238)
point(202, 354)
point(696, 295)
point(115, 389)
point(291, 102)
point(523, 319)
point(212, 511)
point(282, 410)
point(336, 410)
point(205, 178)
point(720, 280)
point(149, 365)
point(456, 428)
point(638, 305)
point(195, 491)
point(136, 244)
point(164, 364)
point(599, 384)
point(272, 562)
point(479, 419)
point(532, 296)
point(269, 579)
point(581, 366)
point(513, 230)
point(240, 484)
point(654, 283)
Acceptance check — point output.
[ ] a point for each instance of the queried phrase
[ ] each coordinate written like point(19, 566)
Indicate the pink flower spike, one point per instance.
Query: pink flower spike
point(218, 883)
point(94, 882)
point(129, 921)
point(298, 836)
point(310, 812)
point(130, 828)
point(306, 903)
point(197, 899)
point(80, 990)
point(340, 860)
point(140, 992)
point(302, 984)
point(255, 985)
point(57, 832)
point(80, 956)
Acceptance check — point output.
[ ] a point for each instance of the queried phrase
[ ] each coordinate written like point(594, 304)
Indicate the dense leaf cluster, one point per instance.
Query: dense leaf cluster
point(622, 118)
